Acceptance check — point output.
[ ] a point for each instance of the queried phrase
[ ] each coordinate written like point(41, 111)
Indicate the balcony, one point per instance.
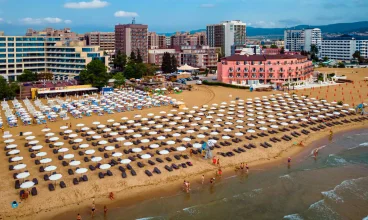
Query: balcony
point(261, 71)
point(290, 70)
point(271, 71)
point(281, 71)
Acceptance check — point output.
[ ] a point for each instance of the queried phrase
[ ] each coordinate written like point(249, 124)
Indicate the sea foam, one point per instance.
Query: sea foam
point(293, 217)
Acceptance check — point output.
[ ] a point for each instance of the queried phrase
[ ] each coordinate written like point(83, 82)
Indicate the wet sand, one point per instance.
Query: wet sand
point(78, 198)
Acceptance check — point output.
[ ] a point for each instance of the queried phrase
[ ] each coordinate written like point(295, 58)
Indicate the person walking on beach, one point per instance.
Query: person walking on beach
point(212, 180)
point(214, 160)
point(289, 161)
point(93, 208)
point(247, 167)
point(105, 210)
point(79, 217)
point(218, 162)
point(219, 172)
point(202, 179)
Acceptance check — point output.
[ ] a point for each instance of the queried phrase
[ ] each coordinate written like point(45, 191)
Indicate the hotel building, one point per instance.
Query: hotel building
point(226, 35)
point(45, 54)
point(298, 40)
point(247, 70)
point(132, 37)
point(343, 47)
point(106, 40)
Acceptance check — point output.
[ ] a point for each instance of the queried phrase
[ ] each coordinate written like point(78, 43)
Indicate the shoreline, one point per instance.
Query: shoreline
point(169, 186)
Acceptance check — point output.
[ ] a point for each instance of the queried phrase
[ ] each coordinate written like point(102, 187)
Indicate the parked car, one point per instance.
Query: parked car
point(195, 78)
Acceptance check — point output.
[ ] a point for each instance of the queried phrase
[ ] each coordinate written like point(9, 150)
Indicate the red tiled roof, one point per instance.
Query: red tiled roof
point(262, 57)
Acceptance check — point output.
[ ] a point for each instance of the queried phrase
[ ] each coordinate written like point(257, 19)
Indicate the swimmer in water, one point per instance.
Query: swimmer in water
point(246, 167)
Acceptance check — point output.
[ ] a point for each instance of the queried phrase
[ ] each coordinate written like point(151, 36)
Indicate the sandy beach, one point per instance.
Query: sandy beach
point(47, 205)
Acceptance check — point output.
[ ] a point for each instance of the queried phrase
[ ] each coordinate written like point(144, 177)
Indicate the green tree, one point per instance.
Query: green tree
point(133, 71)
point(341, 65)
point(264, 47)
point(166, 63)
point(314, 49)
point(139, 58)
point(325, 59)
point(119, 79)
point(273, 46)
point(174, 63)
point(8, 91)
point(120, 61)
point(357, 55)
point(45, 76)
point(282, 50)
point(150, 70)
point(27, 76)
point(95, 74)
point(132, 57)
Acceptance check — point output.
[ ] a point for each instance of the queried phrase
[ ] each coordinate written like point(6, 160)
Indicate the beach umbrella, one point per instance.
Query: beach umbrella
point(274, 126)
point(27, 185)
point(125, 161)
point(197, 145)
point(105, 166)
point(251, 131)
point(7, 136)
point(73, 135)
point(263, 128)
point(17, 158)
point(225, 137)
point(81, 170)
point(96, 123)
point(146, 156)
point(239, 134)
point(137, 150)
point(128, 143)
point(27, 133)
point(58, 144)
point(68, 131)
point(153, 146)
point(117, 154)
point(9, 141)
point(96, 159)
point(101, 126)
point(19, 166)
point(68, 156)
point(78, 140)
point(50, 168)
point(80, 125)
point(63, 127)
point(11, 146)
point(110, 148)
point(23, 175)
point(180, 148)
point(54, 139)
point(49, 134)
point(164, 152)
point(55, 177)
point(63, 150)
point(83, 145)
point(75, 163)
point(45, 129)
point(30, 138)
point(41, 154)
point(201, 136)
point(96, 137)
point(89, 152)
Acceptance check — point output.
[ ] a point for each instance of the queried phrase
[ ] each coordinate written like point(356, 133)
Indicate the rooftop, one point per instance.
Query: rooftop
point(262, 57)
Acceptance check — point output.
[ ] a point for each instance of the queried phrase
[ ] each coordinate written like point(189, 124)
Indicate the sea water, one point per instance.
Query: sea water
point(332, 186)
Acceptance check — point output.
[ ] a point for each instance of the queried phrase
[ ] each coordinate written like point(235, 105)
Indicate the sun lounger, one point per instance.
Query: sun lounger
point(133, 172)
point(148, 173)
point(109, 173)
point(34, 191)
point(101, 175)
point(85, 178)
point(51, 187)
point(62, 185)
point(168, 168)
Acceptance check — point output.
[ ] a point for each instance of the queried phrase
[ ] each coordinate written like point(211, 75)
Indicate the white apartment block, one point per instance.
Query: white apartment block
point(298, 40)
point(45, 54)
point(226, 35)
point(343, 47)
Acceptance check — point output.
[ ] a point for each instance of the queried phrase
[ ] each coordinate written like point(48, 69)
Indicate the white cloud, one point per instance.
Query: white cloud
point(263, 24)
point(52, 20)
point(125, 14)
point(1, 19)
point(83, 5)
point(68, 21)
point(47, 20)
point(207, 5)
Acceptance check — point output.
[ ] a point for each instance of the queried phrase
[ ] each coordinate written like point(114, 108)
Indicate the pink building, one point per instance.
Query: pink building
point(246, 70)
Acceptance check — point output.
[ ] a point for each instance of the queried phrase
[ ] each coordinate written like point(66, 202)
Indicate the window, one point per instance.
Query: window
point(245, 63)
point(10, 55)
point(11, 61)
point(245, 70)
point(2, 50)
point(230, 69)
point(238, 69)
point(2, 38)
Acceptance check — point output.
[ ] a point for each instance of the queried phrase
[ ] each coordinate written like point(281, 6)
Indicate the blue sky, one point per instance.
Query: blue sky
point(175, 15)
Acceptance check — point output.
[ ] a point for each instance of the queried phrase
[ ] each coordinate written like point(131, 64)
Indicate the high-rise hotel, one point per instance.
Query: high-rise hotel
point(45, 54)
